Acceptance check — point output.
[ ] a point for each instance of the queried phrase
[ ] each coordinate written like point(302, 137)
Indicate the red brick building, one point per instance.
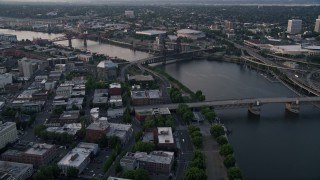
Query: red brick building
point(95, 131)
point(115, 89)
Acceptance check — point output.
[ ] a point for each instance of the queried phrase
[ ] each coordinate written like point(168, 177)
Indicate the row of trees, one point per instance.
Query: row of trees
point(59, 138)
point(143, 147)
point(176, 95)
point(138, 174)
point(226, 150)
point(47, 172)
point(158, 121)
point(185, 113)
point(114, 142)
point(208, 113)
point(127, 115)
point(196, 136)
point(196, 169)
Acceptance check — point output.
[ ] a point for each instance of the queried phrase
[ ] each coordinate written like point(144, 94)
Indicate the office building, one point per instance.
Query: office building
point(115, 89)
point(71, 129)
point(8, 37)
point(31, 153)
point(145, 97)
point(165, 138)
point(93, 148)
point(69, 117)
point(107, 70)
point(129, 14)
point(5, 79)
point(317, 25)
point(27, 67)
point(8, 133)
point(156, 161)
point(294, 26)
point(77, 158)
point(128, 162)
point(142, 114)
point(228, 25)
point(15, 171)
point(98, 129)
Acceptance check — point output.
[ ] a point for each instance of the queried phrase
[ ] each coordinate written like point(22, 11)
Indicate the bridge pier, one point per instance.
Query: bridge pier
point(255, 109)
point(293, 107)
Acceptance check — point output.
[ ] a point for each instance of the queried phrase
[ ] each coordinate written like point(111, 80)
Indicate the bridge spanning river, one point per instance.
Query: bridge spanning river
point(292, 103)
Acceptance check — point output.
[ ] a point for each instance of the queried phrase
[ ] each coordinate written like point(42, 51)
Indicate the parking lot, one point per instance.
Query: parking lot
point(95, 168)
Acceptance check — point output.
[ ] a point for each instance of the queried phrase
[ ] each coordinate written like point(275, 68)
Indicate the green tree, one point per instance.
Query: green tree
point(234, 173)
point(222, 140)
point(127, 116)
point(149, 123)
point(143, 147)
point(38, 129)
point(39, 176)
point(217, 130)
point(141, 174)
point(118, 167)
point(198, 163)
point(226, 149)
point(72, 172)
point(129, 174)
point(229, 161)
point(197, 141)
point(138, 135)
point(194, 173)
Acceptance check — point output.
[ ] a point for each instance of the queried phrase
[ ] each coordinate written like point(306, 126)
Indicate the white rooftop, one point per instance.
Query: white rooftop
point(75, 157)
point(165, 135)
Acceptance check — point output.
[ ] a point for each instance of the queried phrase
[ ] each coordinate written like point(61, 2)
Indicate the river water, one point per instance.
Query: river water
point(92, 46)
point(278, 145)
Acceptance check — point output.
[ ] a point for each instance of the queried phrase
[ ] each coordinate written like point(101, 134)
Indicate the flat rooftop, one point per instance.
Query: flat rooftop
point(75, 157)
point(159, 157)
point(39, 149)
point(165, 135)
point(151, 32)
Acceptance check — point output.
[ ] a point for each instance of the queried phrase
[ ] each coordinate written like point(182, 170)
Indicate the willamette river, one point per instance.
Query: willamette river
point(92, 46)
point(275, 146)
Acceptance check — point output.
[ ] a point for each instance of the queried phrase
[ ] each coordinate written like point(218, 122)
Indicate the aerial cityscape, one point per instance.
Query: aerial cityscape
point(159, 90)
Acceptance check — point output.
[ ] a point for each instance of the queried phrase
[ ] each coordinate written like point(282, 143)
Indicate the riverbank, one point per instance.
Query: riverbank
point(174, 82)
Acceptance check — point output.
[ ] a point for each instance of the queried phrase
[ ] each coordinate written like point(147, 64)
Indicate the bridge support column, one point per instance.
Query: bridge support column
point(70, 42)
point(293, 107)
point(254, 109)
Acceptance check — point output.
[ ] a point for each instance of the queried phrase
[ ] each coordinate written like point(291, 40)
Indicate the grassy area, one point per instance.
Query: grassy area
point(174, 81)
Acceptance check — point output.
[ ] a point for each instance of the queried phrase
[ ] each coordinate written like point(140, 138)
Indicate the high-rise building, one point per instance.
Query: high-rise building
point(317, 25)
point(228, 25)
point(8, 133)
point(129, 14)
point(294, 26)
point(27, 67)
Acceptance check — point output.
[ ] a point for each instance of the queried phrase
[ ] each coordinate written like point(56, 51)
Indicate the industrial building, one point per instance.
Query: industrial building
point(190, 34)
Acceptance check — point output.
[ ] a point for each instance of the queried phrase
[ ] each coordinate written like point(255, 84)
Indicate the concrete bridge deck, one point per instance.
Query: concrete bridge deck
point(237, 103)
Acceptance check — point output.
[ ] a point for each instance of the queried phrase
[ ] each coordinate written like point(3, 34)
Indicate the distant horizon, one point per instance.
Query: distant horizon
point(169, 2)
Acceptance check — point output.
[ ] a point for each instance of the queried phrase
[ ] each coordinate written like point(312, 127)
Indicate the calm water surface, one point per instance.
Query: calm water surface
point(92, 46)
point(278, 145)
